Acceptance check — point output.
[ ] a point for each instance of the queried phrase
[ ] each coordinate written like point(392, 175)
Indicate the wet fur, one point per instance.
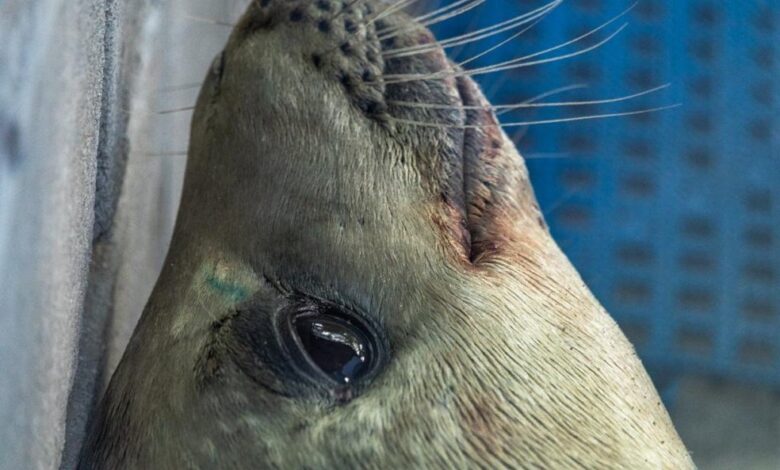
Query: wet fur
point(300, 181)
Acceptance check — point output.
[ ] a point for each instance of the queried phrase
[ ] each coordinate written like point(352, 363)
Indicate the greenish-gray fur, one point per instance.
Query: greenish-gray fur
point(301, 179)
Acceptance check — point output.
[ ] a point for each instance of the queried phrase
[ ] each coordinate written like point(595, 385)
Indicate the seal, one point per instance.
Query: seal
point(360, 277)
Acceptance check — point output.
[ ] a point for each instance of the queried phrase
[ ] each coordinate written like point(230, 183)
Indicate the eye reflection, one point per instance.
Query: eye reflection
point(340, 348)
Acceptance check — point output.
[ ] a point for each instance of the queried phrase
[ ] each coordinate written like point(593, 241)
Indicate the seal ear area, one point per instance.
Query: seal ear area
point(298, 347)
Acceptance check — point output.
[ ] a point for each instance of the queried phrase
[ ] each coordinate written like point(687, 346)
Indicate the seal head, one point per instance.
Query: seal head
point(360, 280)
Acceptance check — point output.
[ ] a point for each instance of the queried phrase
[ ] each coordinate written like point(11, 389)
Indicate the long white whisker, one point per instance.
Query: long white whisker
point(392, 32)
point(520, 64)
point(437, 12)
point(559, 46)
point(556, 91)
point(473, 36)
point(571, 41)
point(392, 8)
point(508, 65)
point(473, 22)
point(535, 123)
point(510, 38)
point(547, 94)
point(530, 103)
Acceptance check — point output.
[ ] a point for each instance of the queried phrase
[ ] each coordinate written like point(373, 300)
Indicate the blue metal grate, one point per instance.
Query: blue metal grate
point(673, 218)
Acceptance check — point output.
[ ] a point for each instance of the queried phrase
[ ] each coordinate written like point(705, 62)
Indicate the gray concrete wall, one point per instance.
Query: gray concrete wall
point(90, 176)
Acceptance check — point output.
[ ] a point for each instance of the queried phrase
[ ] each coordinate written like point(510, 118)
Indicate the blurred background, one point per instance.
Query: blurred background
point(672, 217)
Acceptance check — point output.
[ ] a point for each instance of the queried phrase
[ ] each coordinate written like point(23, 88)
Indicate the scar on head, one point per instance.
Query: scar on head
point(231, 282)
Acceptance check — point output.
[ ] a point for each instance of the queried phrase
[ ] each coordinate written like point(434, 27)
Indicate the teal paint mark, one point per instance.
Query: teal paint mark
point(234, 291)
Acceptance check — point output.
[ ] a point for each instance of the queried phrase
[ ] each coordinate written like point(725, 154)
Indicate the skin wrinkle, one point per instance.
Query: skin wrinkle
point(301, 184)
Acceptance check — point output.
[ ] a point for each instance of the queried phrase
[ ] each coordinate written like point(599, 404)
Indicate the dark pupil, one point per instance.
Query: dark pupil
point(335, 345)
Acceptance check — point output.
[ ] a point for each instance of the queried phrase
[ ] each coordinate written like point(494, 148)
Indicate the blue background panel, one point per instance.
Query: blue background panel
point(672, 218)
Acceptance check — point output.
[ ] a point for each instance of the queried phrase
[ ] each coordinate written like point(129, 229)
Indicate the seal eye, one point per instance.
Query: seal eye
point(331, 344)
point(337, 346)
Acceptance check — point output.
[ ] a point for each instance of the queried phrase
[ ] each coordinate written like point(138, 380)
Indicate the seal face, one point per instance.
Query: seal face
point(360, 279)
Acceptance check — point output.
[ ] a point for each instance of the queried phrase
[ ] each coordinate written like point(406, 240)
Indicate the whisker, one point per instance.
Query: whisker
point(472, 24)
point(575, 40)
point(392, 8)
point(518, 63)
point(554, 48)
point(508, 65)
point(208, 20)
point(393, 32)
point(534, 123)
point(438, 11)
point(522, 130)
point(530, 103)
point(176, 110)
point(510, 38)
point(547, 94)
point(474, 35)
point(470, 37)
point(556, 91)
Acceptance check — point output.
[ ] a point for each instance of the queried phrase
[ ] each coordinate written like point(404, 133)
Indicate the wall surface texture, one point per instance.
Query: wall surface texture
point(90, 175)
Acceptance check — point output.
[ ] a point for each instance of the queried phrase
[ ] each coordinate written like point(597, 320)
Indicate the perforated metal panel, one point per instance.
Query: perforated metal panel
point(672, 218)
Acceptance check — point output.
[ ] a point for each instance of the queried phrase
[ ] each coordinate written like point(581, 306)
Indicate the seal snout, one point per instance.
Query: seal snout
point(393, 73)
point(338, 39)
